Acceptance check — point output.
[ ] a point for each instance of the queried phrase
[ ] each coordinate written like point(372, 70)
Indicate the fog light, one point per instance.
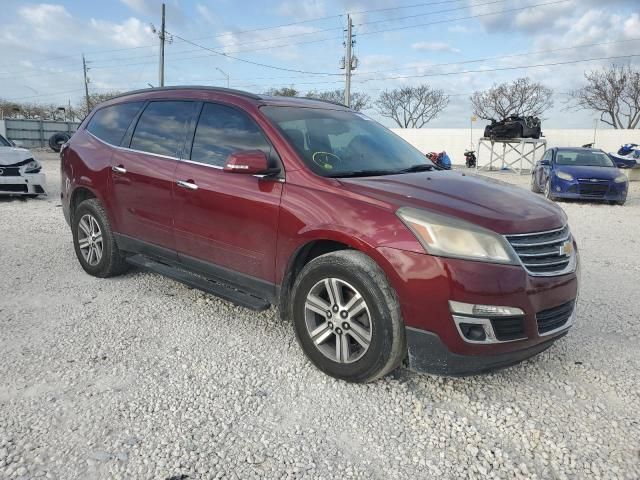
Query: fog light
point(473, 332)
point(483, 310)
point(557, 189)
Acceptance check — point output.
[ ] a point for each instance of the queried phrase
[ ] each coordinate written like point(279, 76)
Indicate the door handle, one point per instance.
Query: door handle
point(119, 169)
point(187, 184)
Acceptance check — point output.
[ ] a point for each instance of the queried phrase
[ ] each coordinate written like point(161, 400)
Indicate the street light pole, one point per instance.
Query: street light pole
point(225, 75)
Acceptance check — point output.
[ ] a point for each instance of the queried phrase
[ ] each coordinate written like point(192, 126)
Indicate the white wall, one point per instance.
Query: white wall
point(456, 140)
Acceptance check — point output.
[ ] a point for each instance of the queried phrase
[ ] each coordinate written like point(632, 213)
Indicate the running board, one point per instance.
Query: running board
point(216, 288)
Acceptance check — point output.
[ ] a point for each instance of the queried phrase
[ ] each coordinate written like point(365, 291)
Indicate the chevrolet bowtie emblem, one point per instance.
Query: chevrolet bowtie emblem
point(566, 249)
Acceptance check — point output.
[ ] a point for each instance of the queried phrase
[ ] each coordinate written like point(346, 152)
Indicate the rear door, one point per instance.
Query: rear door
point(226, 223)
point(142, 174)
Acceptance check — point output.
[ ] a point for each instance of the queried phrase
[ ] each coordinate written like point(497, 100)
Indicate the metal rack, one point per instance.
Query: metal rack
point(517, 154)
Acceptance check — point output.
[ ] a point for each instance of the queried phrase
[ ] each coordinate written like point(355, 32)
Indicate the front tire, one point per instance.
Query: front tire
point(347, 317)
point(94, 242)
point(534, 185)
point(547, 190)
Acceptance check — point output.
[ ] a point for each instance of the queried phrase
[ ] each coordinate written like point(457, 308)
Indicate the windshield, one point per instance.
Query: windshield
point(4, 142)
point(583, 158)
point(338, 143)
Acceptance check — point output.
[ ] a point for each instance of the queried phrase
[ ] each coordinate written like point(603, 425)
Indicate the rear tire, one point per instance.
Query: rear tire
point(94, 242)
point(347, 317)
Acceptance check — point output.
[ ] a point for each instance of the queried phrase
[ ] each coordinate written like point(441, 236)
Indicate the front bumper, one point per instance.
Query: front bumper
point(24, 184)
point(609, 191)
point(425, 284)
point(428, 354)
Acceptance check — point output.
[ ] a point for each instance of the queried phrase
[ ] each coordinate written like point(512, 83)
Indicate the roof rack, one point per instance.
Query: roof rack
point(240, 93)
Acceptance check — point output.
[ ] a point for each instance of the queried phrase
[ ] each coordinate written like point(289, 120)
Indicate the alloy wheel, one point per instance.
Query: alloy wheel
point(338, 320)
point(90, 239)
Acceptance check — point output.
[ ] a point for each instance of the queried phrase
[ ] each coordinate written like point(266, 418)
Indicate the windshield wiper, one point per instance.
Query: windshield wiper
point(362, 173)
point(420, 167)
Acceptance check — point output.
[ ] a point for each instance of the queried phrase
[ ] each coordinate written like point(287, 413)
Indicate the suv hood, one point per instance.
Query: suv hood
point(602, 173)
point(486, 202)
point(13, 155)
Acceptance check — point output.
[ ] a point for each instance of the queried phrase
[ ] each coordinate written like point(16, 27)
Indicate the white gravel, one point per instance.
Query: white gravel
point(141, 377)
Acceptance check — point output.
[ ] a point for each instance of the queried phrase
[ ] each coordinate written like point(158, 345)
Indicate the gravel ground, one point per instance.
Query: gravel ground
point(141, 377)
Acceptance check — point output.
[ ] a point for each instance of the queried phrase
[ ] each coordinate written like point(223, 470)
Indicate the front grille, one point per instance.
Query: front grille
point(541, 253)
point(508, 328)
point(554, 318)
point(9, 172)
point(593, 188)
point(14, 188)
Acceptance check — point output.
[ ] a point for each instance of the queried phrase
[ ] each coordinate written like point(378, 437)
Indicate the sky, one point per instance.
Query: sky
point(459, 46)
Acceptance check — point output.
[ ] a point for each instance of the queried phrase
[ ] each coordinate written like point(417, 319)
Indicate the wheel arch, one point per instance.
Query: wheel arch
point(79, 195)
point(313, 246)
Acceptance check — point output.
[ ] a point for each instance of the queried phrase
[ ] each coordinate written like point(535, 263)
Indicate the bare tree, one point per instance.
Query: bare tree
point(521, 97)
point(39, 111)
point(614, 92)
point(80, 110)
point(412, 107)
point(359, 101)
point(283, 92)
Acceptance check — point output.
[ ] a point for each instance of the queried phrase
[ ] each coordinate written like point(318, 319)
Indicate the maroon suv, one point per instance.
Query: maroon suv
point(371, 253)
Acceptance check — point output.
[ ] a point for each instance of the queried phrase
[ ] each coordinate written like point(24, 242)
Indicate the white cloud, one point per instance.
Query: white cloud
point(139, 6)
point(302, 9)
point(232, 42)
point(434, 47)
point(631, 26)
point(206, 13)
point(130, 33)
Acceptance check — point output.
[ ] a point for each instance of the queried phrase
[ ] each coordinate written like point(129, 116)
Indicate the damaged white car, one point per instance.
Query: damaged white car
point(20, 173)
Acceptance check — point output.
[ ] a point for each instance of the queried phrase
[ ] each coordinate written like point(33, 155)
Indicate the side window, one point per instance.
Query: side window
point(547, 155)
point(162, 127)
point(110, 123)
point(222, 130)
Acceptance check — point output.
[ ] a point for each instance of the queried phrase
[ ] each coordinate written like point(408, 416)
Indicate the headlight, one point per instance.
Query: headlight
point(32, 167)
point(564, 176)
point(449, 237)
point(620, 178)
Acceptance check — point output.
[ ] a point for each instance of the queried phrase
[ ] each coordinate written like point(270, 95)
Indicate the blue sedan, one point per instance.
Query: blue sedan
point(580, 173)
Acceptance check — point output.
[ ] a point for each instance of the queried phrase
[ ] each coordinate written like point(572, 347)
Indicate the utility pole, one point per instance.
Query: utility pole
point(86, 84)
point(347, 63)
point(161, 69)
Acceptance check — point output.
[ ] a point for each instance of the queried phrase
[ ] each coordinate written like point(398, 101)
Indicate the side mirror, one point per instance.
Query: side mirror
point(545, 163)
point(250, 162)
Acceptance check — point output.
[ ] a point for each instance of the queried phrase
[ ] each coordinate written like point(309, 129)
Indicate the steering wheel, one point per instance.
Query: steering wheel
point(326, 160)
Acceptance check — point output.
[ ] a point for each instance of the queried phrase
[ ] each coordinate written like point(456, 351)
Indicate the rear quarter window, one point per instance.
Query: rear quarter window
point(110, 123)
point(162, 127)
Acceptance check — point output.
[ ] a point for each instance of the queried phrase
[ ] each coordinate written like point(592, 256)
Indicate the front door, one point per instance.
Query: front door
point(226, 223)
point(542, 171)
point(142, 174)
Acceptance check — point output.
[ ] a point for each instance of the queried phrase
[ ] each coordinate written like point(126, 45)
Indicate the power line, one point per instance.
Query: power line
point(398, 77)
point(499, 69)
point(228, 54)
point(501, 57)
point(244, 60)
point(464, 18)
point(226, 34)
